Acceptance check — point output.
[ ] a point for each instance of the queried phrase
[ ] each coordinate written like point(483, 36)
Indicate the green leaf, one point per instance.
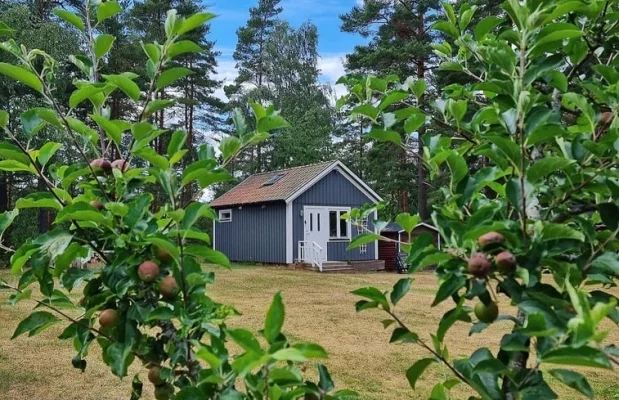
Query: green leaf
point(157, 105)
point(125, 84)
point(400, 289)
point(609, 73)
point(407, 222)
point(361, 239)
point(240, 124)
point(557, 32)
point(5, 30)
point(38, 200)
point(89, 92)
point(177, 141)
point(403, 335)
point(325, 382)
point(509, 148)
point(171, 75)
point(194, 22)
point(272, 122)
point(183, 47)
point(311, 350)
point(166, 245)
point(607, 263)
point(21, 75)
point(70, 18)
point(366, 109)
point(458, 167)
point(274, 319)
point(205, 354)
point(447, 28)
point(574, 380)
point(419, 88)
point(17, 297)
point(484, 26)
point(383, 135)
point(552, 231)
point(577, 356)
point(210, 255)
point(609, 212)
point(229, 146)
point(15, 166)
point(113, 131)
point(103, 44)
point(547, 166)
point(417, 369)
point(4, 119)
point(392, 98)
point(35, 323)
point(6, 219)
point(289, 354)
point(107, 10)
point(245, 339)
point(47, 152)
point(118, 357)
point(373, 294)
point(11, 152)
point(150, 155)
point(448, 287)
point(81, 212)
point(414, 122)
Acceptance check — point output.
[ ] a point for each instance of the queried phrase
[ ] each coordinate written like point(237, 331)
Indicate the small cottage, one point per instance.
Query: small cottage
point(294, 216)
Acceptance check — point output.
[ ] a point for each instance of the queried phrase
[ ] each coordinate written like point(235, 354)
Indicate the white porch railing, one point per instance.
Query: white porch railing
point(311, 252)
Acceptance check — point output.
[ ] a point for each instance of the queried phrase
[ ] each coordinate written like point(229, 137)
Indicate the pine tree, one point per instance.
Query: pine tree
point(399, 45)
point(250, 62)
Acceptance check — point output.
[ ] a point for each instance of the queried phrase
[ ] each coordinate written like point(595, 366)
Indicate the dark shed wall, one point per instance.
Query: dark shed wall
point(332, 190)
point(255, 234)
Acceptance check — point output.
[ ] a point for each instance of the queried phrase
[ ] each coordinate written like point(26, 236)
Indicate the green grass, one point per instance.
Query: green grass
point(319, 308)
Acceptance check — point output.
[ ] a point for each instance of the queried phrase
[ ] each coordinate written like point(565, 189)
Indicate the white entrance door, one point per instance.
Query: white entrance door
point(316, 226)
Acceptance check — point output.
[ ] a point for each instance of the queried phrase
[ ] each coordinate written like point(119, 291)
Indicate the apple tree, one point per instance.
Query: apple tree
point(149, 300)
point(529, 220)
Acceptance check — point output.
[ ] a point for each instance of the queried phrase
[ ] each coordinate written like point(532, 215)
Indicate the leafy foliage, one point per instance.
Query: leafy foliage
point(529, 214)
point(149, 299)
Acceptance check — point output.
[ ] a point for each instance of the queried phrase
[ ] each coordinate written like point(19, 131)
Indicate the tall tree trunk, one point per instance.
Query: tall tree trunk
point(422, 195)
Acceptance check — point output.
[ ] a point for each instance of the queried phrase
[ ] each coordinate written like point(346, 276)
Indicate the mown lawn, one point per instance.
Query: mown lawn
point(319, 308)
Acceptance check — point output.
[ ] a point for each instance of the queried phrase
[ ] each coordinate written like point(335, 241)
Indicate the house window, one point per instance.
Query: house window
point(363, 249)
point(225, 215)
point(338, 228)
point(273, 180)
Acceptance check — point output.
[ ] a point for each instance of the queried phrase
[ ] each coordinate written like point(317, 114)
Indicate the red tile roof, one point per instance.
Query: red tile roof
point(251, 190)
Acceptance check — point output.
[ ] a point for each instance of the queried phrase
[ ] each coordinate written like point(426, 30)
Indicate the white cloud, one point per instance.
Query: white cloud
point(331, 69)
point(226, 72)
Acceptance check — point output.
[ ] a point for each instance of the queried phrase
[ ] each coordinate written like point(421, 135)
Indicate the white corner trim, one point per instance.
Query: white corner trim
point(214, 235)
point(427, 226)
point(289, 234)
point(348, 174)
point(376, 232)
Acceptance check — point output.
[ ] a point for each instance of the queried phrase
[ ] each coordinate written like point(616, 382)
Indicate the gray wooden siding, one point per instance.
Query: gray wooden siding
point(332, 190)
point(257, 233)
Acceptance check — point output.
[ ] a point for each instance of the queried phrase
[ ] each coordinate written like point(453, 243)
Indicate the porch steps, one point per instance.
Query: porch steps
point(344, 267)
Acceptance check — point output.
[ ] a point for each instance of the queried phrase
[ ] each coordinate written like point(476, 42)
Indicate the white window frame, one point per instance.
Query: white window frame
point(339, 237)
point(221, 212)
point(363, 249)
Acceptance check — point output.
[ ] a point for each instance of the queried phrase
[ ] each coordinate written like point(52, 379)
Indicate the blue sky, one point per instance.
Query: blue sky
point(332, 44)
